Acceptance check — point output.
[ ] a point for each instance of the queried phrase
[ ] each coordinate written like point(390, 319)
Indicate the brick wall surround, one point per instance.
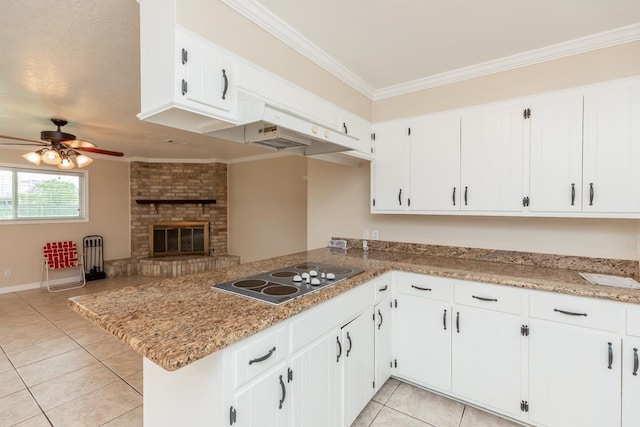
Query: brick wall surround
point(178, 181)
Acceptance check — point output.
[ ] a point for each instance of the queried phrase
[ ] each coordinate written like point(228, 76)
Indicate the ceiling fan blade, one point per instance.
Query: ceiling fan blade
point(77, 143)
point(99, 151)
point(33, 141)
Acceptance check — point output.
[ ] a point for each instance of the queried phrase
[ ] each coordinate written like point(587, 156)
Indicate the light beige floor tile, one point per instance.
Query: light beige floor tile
point(10, 382)
point(5, 364)
point(386, 391)
point(476, 418)
point(426, 406)
point(69, 386)
point(387, 417)
point(17, 407)
point(368, 414)
point(29, 335)
point(88, 334)
point(42, 350)
point(132, 418)
point(135, 381)
point(53, 367)
point(37, 421)
point(125, 364)
point(68, 321)
point(110, 347)
point(97, 407)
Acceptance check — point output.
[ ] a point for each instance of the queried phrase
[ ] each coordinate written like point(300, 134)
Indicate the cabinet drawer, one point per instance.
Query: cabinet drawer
point(633, 322)
point(439, 288)
point(492, 297)
point(261, 353)
point(382, 287)
point(578, 311)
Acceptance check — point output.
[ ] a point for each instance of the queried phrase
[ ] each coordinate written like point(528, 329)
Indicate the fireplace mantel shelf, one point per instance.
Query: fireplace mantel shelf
point(156, 202)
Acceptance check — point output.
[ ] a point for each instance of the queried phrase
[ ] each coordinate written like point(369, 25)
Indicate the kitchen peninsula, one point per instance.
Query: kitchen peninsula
point(204, 348)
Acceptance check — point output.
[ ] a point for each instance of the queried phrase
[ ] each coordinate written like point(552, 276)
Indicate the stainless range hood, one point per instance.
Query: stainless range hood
point(282, 130)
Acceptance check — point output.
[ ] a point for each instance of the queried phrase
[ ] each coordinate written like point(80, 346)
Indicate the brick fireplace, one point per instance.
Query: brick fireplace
point(169, 193)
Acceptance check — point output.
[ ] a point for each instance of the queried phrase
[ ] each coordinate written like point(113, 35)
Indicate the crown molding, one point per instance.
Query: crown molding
point(271, 23)
point(572, 47)
point(274, 25)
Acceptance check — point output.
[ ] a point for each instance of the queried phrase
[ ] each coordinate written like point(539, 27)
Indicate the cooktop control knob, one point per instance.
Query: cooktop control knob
point(315, 282)
point(313, 273)
point(297, 278)
point(305, 275)
point(331, 276)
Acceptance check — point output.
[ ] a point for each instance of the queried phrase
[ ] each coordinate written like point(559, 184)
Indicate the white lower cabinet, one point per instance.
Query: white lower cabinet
point(315, 397)
point(630, 382)
point(264, 401)
point(382, 329)
point(574, 376)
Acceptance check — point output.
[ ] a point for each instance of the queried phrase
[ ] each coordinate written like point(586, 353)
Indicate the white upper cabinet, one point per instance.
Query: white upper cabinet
point(492, 158)
point(556, 154)
point(389, 171)
point(435, 163)
point(612, 149)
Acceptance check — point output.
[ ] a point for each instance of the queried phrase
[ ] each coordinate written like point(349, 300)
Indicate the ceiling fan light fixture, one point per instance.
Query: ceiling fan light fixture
point(66, 163)
point(51, 157)
point(83, 160)
point(33, 157)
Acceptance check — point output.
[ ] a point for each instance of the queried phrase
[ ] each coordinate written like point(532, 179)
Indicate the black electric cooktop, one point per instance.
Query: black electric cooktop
point(284, 284)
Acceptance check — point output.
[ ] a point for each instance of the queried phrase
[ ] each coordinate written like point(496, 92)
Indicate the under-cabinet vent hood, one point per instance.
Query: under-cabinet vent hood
point(281, 130)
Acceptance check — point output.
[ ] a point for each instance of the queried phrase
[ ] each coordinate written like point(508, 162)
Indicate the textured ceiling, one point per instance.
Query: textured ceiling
point(79, 59)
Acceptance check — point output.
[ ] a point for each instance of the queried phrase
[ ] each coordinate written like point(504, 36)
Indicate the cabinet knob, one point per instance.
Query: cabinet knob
point(314, 129)
point(326, 133)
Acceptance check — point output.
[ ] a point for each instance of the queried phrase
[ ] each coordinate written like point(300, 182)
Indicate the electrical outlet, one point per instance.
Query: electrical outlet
point(7, 272)
point(365, 233)
point(375, 235)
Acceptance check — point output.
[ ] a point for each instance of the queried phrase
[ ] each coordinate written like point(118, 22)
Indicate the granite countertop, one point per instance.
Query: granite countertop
point(174, 322)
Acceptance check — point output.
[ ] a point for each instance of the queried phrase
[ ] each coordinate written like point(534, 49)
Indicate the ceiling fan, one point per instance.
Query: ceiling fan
point(59, 148)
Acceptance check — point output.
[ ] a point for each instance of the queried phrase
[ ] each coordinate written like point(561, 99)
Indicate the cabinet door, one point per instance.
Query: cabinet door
point(612, 149)
point(390, 167)
point(264, 401)
point(423, 341)
point(358, 371)
point(315, 390)
point(572, 380)
point(486, 361)
point(556, 154)
point(492, 159)
point(630, 382)
point(435, 163)
point(382, 330)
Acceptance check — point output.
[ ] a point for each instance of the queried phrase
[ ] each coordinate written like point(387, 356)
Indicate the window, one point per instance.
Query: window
point(29, 194)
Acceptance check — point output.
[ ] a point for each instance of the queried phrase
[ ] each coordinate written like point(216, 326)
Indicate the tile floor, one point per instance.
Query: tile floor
point(58, 369)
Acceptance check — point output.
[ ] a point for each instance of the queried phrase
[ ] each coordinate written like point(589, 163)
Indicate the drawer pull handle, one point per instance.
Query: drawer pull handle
point(339, 349)
point(444, 319)
point(591, 194)
point(284, 393)
point(454, 196)
point(226, 84)
point(419, 288)
point(485, 299)
point(350, 344)
point(380, 324)
point(635, 361)
point(458, 322)
point(383, 289)
point(610, 355)
point(570, 313)
point(263, 358)
point(573, 194)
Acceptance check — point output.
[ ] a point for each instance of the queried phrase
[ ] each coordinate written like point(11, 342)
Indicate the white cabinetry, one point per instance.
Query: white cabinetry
point(383, 329)
point(264, 401)
point(612, 149)
point(423, 330)
point(492, 158)
point(389, 171)
point(631, 370)
point(435, 163)
point(487, 346)
point(556, 154)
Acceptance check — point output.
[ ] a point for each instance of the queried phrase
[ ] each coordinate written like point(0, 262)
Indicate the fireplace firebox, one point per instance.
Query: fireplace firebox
point(178, 238)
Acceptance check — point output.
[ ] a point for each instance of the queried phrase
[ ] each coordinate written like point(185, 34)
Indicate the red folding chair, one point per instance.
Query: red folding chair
point(59, 255)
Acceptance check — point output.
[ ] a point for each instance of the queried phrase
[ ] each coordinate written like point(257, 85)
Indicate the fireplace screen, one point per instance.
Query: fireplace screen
point(179, 238)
